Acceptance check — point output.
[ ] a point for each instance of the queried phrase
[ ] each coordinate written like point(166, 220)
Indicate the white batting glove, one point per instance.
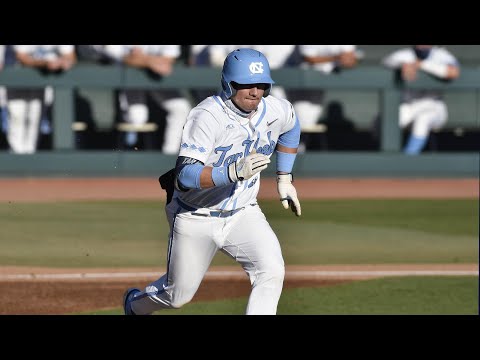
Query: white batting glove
point(248, 166)
point(288, 193)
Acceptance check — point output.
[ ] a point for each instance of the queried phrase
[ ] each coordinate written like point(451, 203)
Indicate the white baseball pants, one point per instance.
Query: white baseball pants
point(194, 240)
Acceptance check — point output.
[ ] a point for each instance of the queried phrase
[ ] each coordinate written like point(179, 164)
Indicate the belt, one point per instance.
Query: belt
point(214, 213)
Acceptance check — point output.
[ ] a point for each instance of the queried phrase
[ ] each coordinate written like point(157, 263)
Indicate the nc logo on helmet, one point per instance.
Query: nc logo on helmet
point(256, 68)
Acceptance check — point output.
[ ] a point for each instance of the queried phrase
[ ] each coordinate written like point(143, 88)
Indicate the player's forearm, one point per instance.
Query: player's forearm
point(193, 176)
point(319, 59)
point(198, 176)
point(68, 60)
point(285, 159)
point(28, 60)
point(443, 71)
point(206, 180)
point(136, 59)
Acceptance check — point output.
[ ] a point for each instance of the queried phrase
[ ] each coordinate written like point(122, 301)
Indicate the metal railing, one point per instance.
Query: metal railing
point(115, 77)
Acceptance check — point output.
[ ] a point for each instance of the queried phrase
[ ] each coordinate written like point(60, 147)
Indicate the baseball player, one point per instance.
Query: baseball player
point(424, 110)
point(278, 56)
point(212, 202)
point(158, 59)
point(26, 106)
point(327, 59)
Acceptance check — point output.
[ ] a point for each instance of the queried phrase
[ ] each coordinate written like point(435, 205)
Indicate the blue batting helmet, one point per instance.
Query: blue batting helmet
point(245, 66)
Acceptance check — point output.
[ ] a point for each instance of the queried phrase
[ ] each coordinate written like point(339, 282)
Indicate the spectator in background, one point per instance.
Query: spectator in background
point(327, 59)
point(158, 60)
point(27, 107)
point(199, 55)
point(3, 94)
point(93, 53)
point(424, 110)
point(2, 56)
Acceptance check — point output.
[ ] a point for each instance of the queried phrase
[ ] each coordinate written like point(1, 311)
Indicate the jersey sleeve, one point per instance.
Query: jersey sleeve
point(290, 132)
point(443, 56)
point(290, 116)
point(399, 57)
point(66, 49)
point(199, 135)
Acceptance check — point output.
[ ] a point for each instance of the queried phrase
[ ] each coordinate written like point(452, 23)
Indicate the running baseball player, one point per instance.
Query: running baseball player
point(227, 141)
point(423, 110)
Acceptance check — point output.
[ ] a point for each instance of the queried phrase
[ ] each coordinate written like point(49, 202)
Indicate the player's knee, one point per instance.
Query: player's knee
point(272, 273)
point(178, 106)
point(138, 113)
point(178, 300)
point(278, 272)
point(178, 303)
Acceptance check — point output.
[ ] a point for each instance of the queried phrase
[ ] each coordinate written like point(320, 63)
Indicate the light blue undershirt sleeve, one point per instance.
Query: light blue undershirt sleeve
point(220, 176)
point(291, 138)
point(189, 176)
point(285, 161)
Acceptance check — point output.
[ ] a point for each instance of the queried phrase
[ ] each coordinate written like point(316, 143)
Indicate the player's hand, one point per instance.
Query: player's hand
point(409, 71)
point(248, 166)
point(288, 193)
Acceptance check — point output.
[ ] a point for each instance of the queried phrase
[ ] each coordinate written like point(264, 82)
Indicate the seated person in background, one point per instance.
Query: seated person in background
point(26, 107)
point(424, 110)
point(159, 61)
point(327, 59)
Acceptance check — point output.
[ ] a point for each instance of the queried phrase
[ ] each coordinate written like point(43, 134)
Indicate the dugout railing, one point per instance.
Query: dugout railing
point(368, 78)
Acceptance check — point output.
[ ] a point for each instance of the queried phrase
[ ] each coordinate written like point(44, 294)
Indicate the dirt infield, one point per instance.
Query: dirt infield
point(58, 189)
point(66, 294)
point(63, 291)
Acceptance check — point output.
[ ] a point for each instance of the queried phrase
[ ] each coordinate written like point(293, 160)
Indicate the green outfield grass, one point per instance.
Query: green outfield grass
point(134, 233)
point(397, 296)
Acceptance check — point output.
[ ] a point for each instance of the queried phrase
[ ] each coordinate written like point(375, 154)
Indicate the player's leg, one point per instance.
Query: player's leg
point(32, 129)
point(134, 104)
point(405, 115)
point(308, 106)
point(430, 114)
point(17, 109)
point(191, 249)
point(252, 243)
point(177, 111)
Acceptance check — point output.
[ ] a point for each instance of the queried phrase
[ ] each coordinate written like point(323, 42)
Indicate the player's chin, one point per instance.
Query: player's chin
point(251, 104)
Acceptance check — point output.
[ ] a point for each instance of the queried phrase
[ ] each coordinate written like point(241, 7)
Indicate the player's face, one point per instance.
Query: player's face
point(248, 96)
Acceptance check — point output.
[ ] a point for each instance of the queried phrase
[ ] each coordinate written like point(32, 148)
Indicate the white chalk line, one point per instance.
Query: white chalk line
point(219, 275)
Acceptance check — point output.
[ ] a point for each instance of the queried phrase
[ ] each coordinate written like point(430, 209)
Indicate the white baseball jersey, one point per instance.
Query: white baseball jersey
point(324, 50)
point(118, 52)
point(407, 55)
point(216, 136)
point(404, 56)
point(45, 52)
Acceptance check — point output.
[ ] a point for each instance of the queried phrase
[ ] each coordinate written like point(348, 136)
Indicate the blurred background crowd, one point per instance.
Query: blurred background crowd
point(331, 120)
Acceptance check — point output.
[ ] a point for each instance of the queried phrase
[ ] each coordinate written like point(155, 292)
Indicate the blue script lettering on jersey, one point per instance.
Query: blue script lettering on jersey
point(223, 152)
point(267, 149)
point(225, 160)
point(253, 182)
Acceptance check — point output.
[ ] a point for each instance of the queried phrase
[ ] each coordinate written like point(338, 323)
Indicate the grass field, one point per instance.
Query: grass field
point(122, 234)
point(391, 296)
point(134, 233)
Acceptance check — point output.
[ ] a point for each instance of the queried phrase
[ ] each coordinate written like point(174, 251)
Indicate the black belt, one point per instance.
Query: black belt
point(214, 213)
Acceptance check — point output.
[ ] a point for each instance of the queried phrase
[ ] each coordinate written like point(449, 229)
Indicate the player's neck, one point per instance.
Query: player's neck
point(232, 106)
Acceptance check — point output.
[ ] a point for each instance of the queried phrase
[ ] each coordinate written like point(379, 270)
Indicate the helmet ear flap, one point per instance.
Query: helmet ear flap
point(267, 90)
point(227, 88)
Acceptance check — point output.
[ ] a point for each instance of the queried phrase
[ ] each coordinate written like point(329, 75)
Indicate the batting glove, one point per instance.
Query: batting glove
point(248, 166)
point(288, 194)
